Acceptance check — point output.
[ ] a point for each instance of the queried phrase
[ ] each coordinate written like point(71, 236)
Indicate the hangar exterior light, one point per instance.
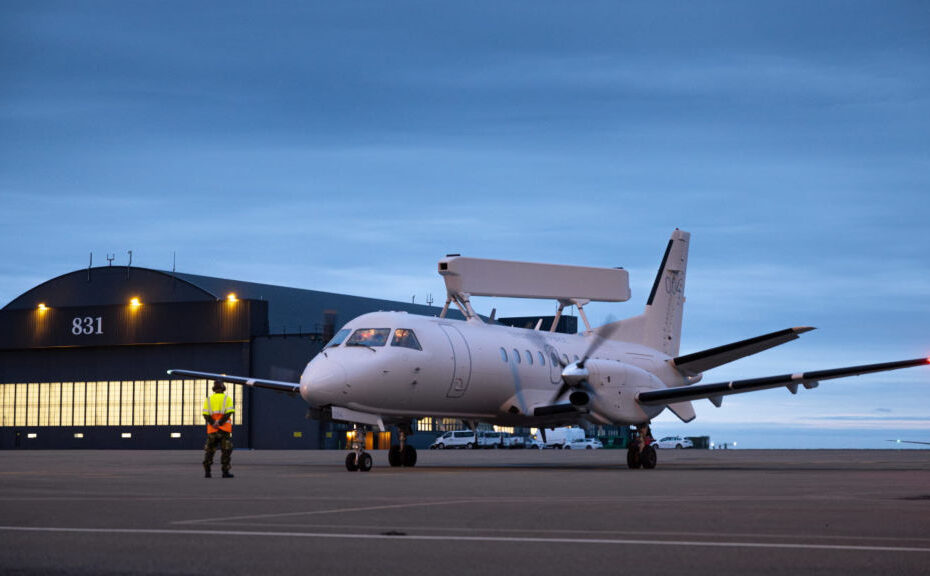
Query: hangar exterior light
point(232, 297)
point(42, 307)
point(135, 302)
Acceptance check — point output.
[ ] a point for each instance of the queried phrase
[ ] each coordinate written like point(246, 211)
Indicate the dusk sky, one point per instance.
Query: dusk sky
point(347, 147)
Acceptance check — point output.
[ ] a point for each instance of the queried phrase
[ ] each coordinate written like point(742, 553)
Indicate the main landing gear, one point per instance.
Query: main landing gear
point(645, 459)
point(403, 455)
point(641, 453)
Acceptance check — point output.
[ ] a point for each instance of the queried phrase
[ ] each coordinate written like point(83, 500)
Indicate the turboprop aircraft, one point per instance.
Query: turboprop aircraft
point(389, 368)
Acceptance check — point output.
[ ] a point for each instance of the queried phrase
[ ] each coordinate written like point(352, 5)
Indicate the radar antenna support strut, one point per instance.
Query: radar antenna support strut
point(580, 303)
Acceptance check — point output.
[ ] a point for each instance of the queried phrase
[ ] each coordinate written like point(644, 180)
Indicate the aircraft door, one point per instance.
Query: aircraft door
point(461, 356)
point(555, 369)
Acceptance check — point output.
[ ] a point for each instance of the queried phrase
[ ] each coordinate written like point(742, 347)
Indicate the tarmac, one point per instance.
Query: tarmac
point(467, 512)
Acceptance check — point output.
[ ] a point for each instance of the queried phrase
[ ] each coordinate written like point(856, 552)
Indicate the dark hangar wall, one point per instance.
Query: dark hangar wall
point(77, 340)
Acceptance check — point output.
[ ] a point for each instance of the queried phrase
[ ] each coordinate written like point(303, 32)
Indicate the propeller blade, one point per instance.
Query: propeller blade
point(598, 341)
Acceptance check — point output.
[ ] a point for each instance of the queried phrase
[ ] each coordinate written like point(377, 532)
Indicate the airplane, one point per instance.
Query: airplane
point(389, 368)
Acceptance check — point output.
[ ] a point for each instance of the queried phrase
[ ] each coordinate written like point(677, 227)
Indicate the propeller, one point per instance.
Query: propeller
point(575, 375)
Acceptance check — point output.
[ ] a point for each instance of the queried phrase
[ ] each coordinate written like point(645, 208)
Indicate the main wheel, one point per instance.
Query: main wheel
point(648, 457)
point(409, 456)
point(632, 458)
point(364, 462)
point(351, 465)
point(395, 457)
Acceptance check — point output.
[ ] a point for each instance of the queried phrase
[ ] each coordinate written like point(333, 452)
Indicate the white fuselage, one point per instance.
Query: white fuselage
point(476, 371)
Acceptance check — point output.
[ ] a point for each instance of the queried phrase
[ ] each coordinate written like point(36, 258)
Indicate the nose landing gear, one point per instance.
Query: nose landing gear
point(358, 459)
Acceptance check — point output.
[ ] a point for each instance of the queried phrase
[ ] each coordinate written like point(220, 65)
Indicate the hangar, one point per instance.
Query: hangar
point(83, 360)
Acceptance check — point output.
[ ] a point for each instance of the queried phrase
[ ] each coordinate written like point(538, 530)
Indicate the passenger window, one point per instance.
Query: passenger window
point(575, 357)
point(529, 357)
point(338, 338)
point(542, 358)
point(555, 359)
point(565, 359)
point(503, 355)
point(369, 337)
point(516, 355)
point(405, 338)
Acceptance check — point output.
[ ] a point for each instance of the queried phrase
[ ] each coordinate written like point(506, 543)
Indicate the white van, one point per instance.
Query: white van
point(454, 439)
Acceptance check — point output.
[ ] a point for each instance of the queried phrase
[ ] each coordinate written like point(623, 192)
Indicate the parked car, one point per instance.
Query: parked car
point(492, 439)
point(674, 442)
point(583, 444)
point(533, 443)
point(511, 441)
point(559, 437)
point(454, 439)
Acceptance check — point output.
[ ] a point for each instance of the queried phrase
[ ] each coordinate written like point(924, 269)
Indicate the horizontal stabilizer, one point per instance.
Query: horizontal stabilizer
point(716, 391)
point(289, 387)
point(693, 364)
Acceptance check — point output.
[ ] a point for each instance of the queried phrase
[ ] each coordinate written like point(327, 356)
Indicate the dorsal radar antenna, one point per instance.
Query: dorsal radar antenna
point(569, 285)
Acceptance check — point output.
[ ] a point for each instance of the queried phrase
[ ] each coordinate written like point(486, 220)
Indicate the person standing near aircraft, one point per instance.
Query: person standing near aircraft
point(218, 411)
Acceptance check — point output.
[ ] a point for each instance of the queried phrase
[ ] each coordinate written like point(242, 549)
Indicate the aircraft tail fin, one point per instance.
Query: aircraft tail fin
point(659, 326)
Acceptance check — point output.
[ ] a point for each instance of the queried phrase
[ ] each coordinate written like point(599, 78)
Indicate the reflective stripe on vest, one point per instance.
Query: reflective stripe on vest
point(216, 406)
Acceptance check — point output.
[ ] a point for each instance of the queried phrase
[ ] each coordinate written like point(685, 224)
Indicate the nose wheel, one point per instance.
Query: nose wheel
point(358, 459)
point(360, 462)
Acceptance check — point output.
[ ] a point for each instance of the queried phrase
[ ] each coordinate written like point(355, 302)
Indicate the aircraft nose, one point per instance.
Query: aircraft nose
point(323, 381)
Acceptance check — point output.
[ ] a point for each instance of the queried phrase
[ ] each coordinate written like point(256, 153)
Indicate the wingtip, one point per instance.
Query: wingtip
point(803, 329)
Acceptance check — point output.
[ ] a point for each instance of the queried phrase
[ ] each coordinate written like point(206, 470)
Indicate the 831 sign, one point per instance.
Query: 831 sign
point(87, 325)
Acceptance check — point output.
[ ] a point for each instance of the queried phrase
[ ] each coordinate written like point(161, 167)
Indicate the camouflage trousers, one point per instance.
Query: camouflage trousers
point(222, 440)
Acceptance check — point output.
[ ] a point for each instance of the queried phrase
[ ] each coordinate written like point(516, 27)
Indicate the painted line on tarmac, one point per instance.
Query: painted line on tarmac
point(329, 511)
point(491, 539)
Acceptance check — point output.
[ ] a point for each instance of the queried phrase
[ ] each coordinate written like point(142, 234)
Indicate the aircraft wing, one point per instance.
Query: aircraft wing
point(289, 387)
point(693, 364)
point(716, 392)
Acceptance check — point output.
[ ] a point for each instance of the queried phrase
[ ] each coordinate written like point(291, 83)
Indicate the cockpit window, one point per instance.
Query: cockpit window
point(369, 337)
point(338, 338)
point(405, 339)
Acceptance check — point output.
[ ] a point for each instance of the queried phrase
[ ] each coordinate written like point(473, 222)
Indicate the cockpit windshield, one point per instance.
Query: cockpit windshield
point(338, 338)
point(405, 338)
point(369, 337)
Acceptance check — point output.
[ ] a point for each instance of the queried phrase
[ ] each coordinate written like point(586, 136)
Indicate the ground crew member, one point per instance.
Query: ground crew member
point(218, 411)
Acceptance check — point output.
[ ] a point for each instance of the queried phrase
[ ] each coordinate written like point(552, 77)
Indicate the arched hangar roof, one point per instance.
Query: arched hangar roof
point(110, 285)
point(289, 309)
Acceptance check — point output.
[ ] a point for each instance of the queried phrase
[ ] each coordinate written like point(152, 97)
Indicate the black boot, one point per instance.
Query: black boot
point(206, 472)
point(227, 474)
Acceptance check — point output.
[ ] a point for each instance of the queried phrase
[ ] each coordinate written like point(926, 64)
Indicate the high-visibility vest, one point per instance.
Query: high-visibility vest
point(215, 406)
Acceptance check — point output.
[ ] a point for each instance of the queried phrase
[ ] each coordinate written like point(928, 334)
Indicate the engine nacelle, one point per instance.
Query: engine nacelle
point(615, 385)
